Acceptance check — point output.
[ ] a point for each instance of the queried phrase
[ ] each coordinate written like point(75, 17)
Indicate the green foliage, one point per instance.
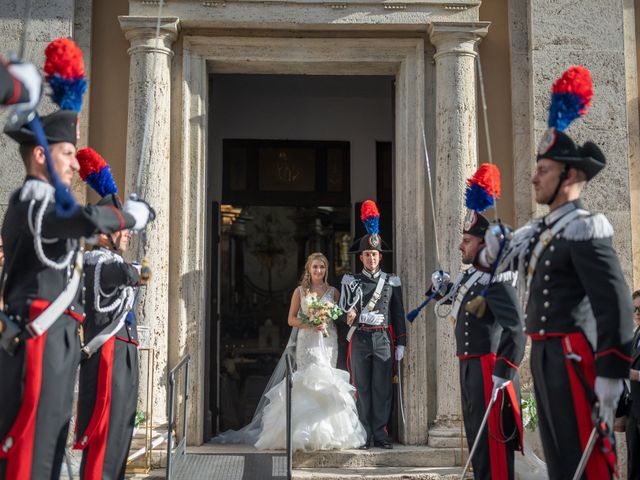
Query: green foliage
point(529, 412)
point(140, 418)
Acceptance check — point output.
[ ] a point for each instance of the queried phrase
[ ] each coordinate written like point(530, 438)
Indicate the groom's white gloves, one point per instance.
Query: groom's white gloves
point(608, 391)
point(372, 318)
point(399, 353)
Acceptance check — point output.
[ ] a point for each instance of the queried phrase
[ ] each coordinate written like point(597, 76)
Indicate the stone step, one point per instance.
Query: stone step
point(379, 473)
point(401, 456)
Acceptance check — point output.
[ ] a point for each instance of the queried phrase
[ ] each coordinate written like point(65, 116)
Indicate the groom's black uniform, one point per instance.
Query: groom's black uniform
point(371, 345)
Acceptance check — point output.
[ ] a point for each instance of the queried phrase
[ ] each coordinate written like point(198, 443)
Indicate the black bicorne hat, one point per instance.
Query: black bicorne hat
point(369, 242)
point(558, 146)
point(60, 126)
point(475, 224)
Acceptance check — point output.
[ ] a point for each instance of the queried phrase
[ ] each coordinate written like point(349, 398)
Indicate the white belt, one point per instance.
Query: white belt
point(101, 338)
point(46, 319)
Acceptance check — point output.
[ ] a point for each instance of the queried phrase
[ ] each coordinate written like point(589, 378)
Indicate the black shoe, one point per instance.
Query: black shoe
point(386, 444)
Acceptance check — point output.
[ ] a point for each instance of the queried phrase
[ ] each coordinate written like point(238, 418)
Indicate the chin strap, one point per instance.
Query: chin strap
point(563, 177)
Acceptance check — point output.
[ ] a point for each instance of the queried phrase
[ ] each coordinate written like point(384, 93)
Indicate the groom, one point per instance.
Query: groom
point(375, 315)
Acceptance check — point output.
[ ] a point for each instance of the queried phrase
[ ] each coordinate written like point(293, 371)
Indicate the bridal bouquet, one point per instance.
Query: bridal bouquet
point(320, 312)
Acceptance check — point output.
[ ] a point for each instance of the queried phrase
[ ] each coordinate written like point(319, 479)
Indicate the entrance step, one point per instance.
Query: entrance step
point(400, 456)
point(380, 473)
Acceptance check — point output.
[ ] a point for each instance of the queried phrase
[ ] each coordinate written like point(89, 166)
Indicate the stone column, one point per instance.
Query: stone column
point(149, 115)
point(456, 160)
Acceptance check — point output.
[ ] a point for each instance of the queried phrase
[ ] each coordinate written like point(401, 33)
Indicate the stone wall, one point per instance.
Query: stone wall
point(49, 19)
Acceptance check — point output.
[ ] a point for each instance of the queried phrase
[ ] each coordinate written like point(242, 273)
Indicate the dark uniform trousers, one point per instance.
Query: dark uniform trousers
point(371, 362)
point(107, 403)
point(492, 344)
point(633, 418)
point(579, 302)
point(501, 436)
point(34, 432)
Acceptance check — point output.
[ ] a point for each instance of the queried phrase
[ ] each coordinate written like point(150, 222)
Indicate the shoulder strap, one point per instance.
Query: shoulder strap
point(377, 293)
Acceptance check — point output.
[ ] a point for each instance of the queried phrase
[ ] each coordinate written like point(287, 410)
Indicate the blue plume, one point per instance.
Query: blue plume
point(67, 93)
point(102, 182)
point(478, 199)
point(564, 109)
point(371, 225)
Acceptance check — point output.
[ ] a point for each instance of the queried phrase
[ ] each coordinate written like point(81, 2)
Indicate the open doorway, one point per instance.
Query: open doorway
point(292, 158)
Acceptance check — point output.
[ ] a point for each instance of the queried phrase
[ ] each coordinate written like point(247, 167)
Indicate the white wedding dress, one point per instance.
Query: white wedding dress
point(323, 408)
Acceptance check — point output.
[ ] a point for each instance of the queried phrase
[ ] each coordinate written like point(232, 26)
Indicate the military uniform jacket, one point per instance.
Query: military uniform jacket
point(26, 276)
point(635, 386)
point(498, 331)
point(358, 289)
point(576, 284)
point(110, 289)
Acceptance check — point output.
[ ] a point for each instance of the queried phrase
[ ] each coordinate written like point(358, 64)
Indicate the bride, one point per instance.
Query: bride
point(323, 412)
point(323, 409)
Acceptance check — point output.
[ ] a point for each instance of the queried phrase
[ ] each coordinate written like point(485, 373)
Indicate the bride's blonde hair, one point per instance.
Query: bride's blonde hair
point(305, 280)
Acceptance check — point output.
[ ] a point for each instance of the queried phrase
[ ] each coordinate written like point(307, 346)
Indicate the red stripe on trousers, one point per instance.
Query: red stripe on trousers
point(515, 404)
point(98, 428)
point(20, 456)
point(497, 449)
point(351, 377)
point(597, 465)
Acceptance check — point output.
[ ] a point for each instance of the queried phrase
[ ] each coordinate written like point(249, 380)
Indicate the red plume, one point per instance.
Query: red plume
point(487, 177)
point(369, 209)
point(90, 162)
point(64, 57)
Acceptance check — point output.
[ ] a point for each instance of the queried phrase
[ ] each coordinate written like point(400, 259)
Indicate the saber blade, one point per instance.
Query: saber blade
point(476, 442)
point(587, 453)
point(400, 400)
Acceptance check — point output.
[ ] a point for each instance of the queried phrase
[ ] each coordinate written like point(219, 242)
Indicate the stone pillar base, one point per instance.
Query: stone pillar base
point(447, 435)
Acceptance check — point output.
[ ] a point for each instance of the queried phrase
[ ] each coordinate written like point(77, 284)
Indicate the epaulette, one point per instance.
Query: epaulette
point(348, 279)
point(518, 244)
point(36, 190)
point(93, 256)
point(504, 277)
point(394, 280)
point(588, 227)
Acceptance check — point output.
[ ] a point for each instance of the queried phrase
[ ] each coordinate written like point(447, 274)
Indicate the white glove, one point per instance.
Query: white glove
point(499, 382)
point(439, 281)
point(140, 211)
point(399, 353)
point(371, 318)
point(29, 76)
point(608, 391)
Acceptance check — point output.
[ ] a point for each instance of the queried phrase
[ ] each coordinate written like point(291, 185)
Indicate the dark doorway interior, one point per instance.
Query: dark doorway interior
point(282, 200)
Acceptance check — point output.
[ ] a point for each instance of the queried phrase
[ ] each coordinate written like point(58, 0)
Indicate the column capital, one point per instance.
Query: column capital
point(456, 38)
point(141, 33)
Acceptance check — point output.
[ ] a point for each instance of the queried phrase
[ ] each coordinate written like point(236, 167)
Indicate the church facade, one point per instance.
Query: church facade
point(354, 91)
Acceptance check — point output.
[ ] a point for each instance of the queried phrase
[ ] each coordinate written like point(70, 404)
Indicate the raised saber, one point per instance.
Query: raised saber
point(476, 442)
point(586, 454)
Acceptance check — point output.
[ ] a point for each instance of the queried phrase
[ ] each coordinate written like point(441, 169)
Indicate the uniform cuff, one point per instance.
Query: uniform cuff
point(612, 363)
point(504, 368)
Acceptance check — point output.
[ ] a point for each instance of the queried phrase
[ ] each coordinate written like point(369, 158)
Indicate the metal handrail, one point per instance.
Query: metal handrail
point(289, 385)
point(171, 423)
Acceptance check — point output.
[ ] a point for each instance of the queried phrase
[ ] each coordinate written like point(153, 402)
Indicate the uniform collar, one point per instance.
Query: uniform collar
point(561, 211)
point(368, 274)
